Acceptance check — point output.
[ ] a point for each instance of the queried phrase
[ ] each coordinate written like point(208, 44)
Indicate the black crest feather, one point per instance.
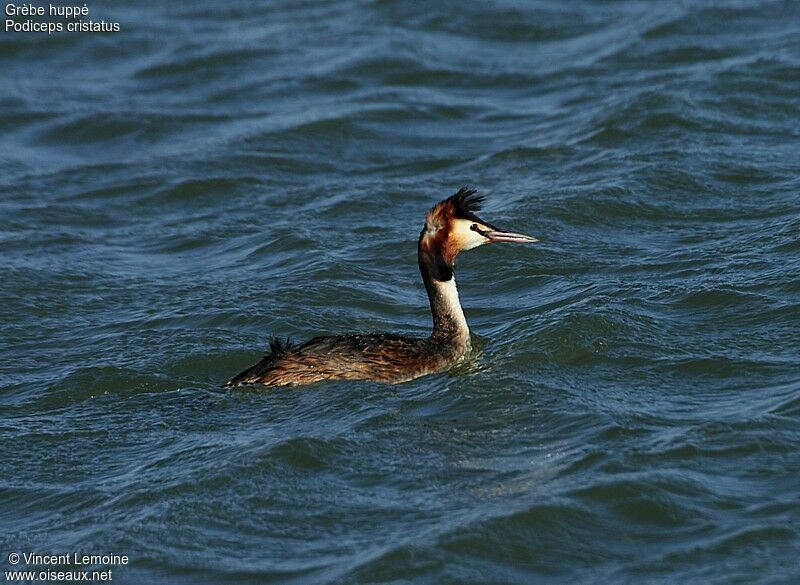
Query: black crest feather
point(467, 200)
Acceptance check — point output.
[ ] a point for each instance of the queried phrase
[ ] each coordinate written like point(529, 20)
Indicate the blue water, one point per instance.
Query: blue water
point(215, 173)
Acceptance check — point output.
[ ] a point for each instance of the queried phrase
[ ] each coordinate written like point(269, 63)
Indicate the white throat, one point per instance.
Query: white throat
point(446, 307)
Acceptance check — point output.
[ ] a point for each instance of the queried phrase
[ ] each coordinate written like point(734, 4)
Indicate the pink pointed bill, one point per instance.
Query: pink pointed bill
point(513, 237)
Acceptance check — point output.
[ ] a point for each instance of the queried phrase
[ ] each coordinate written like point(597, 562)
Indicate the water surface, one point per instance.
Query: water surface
point(215, 173)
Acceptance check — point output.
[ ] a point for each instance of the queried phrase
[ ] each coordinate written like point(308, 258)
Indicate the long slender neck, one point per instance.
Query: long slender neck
point(449, 323)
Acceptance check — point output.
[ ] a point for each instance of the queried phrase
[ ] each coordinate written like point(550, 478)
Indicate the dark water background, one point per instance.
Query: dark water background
point(218, 171)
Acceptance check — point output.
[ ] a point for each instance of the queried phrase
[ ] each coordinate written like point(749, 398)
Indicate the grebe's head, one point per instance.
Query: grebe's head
point(451, 226)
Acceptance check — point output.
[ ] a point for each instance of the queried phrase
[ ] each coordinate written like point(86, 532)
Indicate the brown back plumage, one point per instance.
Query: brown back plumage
point(381, 357)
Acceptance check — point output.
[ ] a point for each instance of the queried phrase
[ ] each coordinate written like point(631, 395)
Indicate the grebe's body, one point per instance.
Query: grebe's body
point(451, 226)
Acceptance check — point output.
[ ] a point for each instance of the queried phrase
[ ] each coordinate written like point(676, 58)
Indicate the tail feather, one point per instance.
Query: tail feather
point(277, 348)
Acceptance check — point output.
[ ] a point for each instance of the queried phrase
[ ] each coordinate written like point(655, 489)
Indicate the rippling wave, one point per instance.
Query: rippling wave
point(173, 194)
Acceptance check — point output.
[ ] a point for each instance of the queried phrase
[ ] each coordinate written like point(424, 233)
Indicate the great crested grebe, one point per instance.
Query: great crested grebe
point(451, 226)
